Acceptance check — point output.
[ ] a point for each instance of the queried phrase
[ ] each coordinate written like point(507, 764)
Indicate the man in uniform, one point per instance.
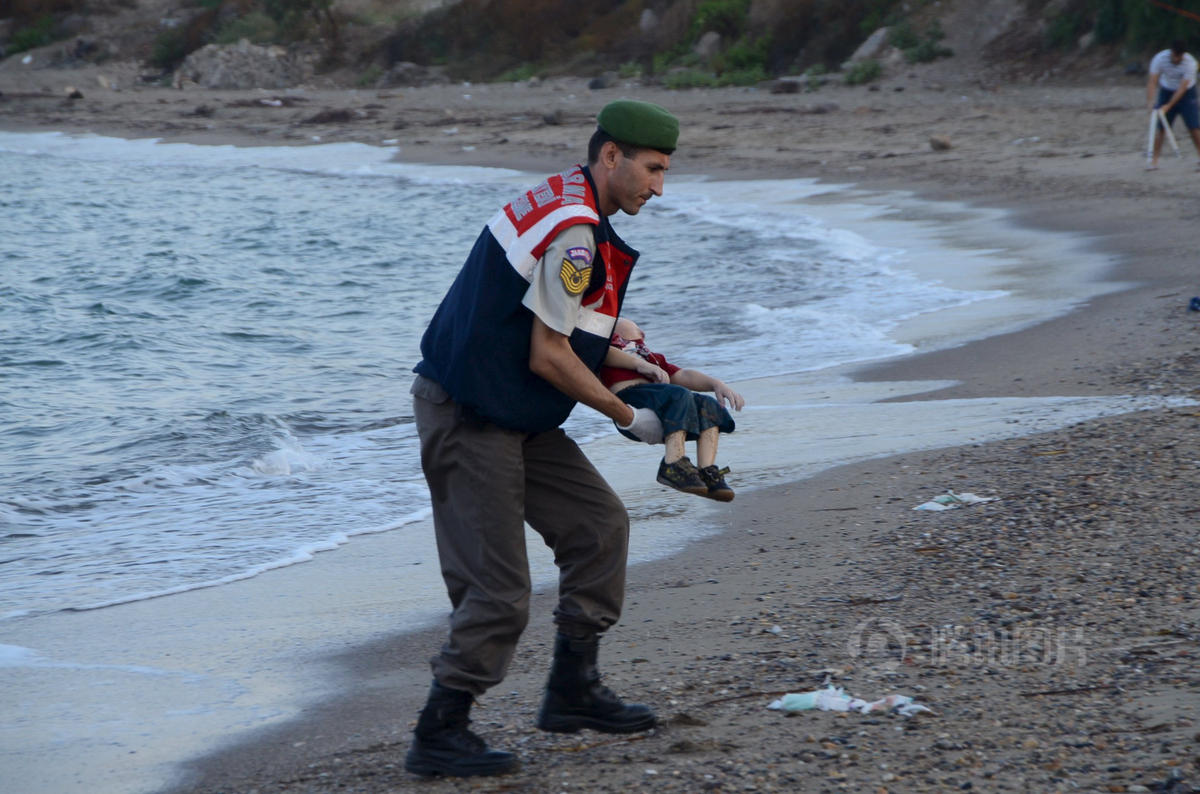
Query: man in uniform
point(514, 345)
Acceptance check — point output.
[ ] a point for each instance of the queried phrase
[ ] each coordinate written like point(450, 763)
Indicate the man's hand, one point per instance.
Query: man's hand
point(645, 426)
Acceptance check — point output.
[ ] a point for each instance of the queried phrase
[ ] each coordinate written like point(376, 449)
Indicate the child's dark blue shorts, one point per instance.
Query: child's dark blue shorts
point(678, 408)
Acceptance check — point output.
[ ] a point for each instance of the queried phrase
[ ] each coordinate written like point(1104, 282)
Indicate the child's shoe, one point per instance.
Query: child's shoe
point(682, 476)
point(714, 480)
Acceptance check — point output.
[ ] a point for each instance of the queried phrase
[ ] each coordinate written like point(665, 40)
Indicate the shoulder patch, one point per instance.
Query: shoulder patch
point(580, 254)
point(575, 277)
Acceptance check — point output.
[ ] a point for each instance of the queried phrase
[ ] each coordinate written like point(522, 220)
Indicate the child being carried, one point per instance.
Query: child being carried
point(645, 379)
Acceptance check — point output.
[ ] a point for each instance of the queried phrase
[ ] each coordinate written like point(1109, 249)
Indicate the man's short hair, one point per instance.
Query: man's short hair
point(1178, 47)
point(600, 137)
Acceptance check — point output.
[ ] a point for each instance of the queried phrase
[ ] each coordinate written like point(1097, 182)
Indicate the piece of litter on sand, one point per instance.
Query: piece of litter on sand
point(833, 698)
point(950, 500)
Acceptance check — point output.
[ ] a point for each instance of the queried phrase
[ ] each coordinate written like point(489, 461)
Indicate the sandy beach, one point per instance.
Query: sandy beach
point(1053, 632)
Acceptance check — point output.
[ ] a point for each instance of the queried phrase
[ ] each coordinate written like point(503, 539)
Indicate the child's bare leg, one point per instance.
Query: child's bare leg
point(675, 448)
point(706, 447)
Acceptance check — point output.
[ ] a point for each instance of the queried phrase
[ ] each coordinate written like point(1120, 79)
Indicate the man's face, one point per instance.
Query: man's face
point(1176, 58)
point(633, 180)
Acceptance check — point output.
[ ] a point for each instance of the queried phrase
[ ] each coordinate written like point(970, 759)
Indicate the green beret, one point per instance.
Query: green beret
point(640, 124)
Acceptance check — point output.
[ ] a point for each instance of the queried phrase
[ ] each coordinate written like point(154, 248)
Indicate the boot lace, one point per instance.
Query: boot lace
point(601, 692)
point(458, 727)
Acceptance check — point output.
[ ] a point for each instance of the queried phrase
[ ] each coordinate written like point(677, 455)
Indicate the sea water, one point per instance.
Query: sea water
point(205, 352)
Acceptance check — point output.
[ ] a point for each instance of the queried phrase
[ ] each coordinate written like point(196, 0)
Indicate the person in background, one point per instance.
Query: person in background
point(1172, 87)
point(645, 379)
point(514, 345)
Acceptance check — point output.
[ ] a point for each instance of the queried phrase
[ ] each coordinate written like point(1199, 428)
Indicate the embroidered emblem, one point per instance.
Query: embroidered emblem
point(574, 277)
point(581, 253)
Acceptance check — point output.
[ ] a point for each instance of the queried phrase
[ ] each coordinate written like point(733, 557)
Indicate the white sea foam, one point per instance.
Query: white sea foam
point(290, 458)
point(330, 159)
point(15, 655)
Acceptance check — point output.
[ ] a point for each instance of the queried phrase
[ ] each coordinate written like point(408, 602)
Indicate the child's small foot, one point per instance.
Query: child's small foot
point(714, 478)
point(682, 476)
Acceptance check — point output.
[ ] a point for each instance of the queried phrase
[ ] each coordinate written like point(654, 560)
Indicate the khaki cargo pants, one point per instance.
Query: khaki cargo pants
point(485, 483)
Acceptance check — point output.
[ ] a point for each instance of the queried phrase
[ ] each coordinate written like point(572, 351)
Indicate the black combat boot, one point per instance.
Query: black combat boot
point(443, 745)
point(576, 699)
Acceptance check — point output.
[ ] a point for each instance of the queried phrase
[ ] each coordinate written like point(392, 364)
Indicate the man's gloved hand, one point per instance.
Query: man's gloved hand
point(645, 425)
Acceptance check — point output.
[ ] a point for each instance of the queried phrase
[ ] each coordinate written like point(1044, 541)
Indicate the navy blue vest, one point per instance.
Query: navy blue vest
point(477, 345)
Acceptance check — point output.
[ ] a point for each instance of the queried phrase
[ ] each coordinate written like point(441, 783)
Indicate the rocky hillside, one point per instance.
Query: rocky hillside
point(677, 43)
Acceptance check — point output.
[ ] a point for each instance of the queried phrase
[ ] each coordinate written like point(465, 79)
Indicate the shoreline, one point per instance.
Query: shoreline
point(696, 635)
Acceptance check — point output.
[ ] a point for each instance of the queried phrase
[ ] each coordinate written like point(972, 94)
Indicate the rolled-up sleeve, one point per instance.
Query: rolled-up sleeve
point(561, 277)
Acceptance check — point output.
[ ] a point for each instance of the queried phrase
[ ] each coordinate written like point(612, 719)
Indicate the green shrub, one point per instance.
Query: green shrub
point(295, 19)
point(745, 54)
point(1110, 22)
point(630, 70)
point(1152, 28)
point(863, 72)
point(39, 34)
point(169, 49)
point(518, 74)
point(681, 55)
point(727, 17)
point(927, 51)
point(879, 13)
point(814, 77)
point(1137, 24)
point(919, 48)
point(689, 78)
point(370, 76)
point(752, 76)
point(1063, 31)
point(256, 26)
point(902, 36)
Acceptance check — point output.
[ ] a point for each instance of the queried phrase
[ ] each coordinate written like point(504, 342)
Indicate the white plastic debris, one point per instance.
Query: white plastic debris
point(830, 698)
point(833, 698)
point(950, 500)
